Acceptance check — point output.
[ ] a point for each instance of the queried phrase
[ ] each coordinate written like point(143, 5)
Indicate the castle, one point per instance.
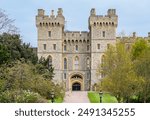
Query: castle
point(75, 55)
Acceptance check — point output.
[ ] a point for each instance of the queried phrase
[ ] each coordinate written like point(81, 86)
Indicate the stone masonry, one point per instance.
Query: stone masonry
point(75, 55)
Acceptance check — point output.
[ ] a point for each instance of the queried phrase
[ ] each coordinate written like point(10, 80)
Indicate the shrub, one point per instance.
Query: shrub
point(28, 97)
point(21, 97)
point(6, 97)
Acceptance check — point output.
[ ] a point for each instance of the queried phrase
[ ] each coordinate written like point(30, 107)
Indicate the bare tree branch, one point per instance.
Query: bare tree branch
point(6, 24)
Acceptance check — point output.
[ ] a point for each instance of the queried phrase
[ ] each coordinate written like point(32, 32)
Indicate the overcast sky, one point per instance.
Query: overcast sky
point(134, 15)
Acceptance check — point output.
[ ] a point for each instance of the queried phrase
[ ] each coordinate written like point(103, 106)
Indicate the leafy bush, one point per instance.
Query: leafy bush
point(21, 97)
point(6, 97)
point(2, 85)
point(134, 99)
point(28, 97)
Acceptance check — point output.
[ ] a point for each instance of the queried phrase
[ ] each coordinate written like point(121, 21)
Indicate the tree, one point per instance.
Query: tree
point(16, 50)
point(120, 79)
point(138, 47)
point(142, 68)
point(141, 55)
point(46, 70)
point(4, 54)
point(6, 24)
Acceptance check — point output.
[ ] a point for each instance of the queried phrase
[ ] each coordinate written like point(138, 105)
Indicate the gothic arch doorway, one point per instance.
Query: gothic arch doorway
point(76, 86)
point(76, 82)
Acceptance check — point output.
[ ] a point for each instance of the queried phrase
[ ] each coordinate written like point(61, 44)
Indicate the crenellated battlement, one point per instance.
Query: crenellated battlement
point(109, 20)
point(133, 38)
point(76, 36)
point(43, 20)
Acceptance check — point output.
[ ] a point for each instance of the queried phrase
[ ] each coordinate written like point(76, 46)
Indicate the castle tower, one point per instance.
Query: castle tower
point(50, 31)
point(103, 33)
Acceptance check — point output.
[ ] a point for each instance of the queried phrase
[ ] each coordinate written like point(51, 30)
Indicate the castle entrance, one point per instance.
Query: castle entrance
point(76, 87)
point(76, 82)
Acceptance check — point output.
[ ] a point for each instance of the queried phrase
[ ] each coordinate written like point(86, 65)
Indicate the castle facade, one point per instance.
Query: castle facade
point(75, 55)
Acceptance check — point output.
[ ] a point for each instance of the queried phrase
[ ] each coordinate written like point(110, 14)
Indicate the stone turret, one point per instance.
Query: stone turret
point(60, 12)
point(93, 12)
point(102, 33)
point(52, 14)
point(43, 20)
point(50, 30)
point(41, 12)
point(111, 19)
point(111, 12)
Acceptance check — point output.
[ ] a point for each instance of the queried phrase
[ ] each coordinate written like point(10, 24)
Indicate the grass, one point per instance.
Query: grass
point(58, 100)
point(107, 98)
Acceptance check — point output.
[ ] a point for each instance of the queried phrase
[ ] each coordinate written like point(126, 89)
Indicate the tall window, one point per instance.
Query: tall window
point(49, 33)
point(76, 48)
point(54, 46)
point(88, 47)
point(102, 64)
point(76, 64)
point(103, 33)
point(88, 75)
point(102, 59)
point(65, 47)
point(65, 63)
point(98, 46)
point(44, 46)
point(88, 63)
point(49, 61)
point(65, 76)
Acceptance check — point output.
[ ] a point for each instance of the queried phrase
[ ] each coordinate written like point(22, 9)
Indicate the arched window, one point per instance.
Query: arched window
point(49, 61)
point(76, 63)
point(102, 64)
point(65, 48)
point(100, 24)
point(112, 23)
point(76, 48)
point(106, 24)
point(65, 63)
point(104, 33)
point(65, 75)
point(98, 46)
point(88, 63)
point(88, 47)
point(40, 24)
point(46, 24)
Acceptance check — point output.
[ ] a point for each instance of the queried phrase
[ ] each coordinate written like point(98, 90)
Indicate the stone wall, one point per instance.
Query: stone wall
point(51, 32)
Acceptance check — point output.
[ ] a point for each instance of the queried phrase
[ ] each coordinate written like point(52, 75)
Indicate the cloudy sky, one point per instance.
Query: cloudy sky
point(134, 15)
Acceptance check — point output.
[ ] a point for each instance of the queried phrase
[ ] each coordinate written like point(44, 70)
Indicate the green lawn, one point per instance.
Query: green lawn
point(107, 98)
point(58, 100)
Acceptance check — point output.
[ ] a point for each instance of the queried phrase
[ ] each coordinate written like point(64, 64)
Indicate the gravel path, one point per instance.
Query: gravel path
point(76, 97)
